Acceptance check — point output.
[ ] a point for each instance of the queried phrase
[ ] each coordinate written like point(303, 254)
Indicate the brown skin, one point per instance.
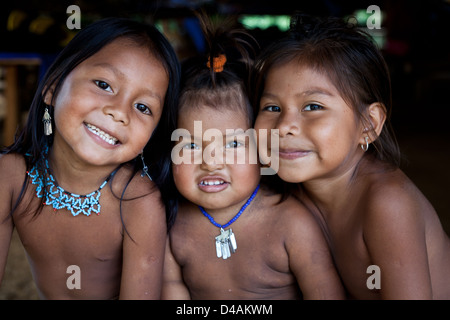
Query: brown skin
point(280, 249)
point(384, 220)
point(119, 90)
point(371, 214)
point(111, 265)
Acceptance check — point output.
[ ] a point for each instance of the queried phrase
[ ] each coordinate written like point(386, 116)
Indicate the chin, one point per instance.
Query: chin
point(290, 177)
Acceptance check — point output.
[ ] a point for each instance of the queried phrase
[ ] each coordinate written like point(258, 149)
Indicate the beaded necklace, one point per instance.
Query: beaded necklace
point(59, 198)
point(226, 241)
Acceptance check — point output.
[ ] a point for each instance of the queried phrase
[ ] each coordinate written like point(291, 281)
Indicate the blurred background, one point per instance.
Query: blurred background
point(413, 36)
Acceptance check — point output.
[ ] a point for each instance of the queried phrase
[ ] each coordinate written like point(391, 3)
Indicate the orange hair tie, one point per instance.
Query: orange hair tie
point(218, 62)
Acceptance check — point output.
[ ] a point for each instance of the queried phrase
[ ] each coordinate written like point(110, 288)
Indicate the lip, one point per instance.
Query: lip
point(213, 184)
point(291, 154)
point(101, 136)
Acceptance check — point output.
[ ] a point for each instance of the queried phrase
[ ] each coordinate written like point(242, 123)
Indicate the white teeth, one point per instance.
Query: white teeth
point(106, 137)
point(212, 182)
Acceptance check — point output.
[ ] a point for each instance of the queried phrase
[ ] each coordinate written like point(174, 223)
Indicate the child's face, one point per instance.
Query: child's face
point(221, 173)
point(109, 105)
point(319, 134)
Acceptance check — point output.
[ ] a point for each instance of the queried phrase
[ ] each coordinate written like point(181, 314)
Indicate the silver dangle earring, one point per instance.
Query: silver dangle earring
point(47, 122)
point(145, 168)
point(366, 146)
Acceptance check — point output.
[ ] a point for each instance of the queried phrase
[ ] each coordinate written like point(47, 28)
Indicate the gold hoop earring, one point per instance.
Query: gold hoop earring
point(365, 147)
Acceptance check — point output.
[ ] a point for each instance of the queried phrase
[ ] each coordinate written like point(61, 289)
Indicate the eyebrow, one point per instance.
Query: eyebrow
point(236, 134)
point(189, 135)
point(316, 91)
point(110, 67)
point(308, 92)
point(120, 74)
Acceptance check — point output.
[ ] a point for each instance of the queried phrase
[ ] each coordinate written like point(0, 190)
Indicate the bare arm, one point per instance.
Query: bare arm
point(143, 253)
point(6, 229)
point(310, 259)
point(8, 174)
point(394, 232)
point(174, 287)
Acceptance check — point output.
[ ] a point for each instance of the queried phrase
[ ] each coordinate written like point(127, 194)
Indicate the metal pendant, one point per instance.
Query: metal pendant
point(47, 123)
point(225, 243)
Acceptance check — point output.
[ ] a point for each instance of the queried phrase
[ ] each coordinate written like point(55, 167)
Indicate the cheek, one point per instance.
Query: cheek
point(140, 134)
point(183, 177)
point(338, 137)
point(70, 112)
point(267, 140)
point(67, 119)
point(262, 123)
point(244, 174)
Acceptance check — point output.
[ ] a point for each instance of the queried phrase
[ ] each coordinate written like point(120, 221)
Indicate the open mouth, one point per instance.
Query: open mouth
point(101, 134)
point(211, 182)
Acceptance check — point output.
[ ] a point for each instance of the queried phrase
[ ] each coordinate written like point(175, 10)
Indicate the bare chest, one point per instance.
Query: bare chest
point(353, 261)
point(258, 269)
point(57, 234)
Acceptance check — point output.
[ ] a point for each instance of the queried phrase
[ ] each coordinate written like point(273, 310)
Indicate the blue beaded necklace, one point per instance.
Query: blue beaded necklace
point(58, 198)
point(226, 241)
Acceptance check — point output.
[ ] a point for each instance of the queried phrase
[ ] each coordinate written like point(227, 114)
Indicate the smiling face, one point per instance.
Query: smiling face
point(109, 105)
point(319, 134)
point(217, 176)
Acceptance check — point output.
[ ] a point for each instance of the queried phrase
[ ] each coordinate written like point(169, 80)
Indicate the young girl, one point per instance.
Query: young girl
point(234, 238)
point(76, 182)
point(326, 89)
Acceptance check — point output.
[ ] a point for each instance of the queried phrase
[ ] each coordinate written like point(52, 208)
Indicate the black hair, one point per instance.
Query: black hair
point(235, 49)
point(31, 141)
point(223, 87)
point(349, 57)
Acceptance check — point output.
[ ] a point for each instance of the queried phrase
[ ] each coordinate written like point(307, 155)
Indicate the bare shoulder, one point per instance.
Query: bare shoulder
point(134, 185)
point(12, 162)
point(12, 169)
point(140, 196)
point(291, 213)
point(393, 205)
point(187, 218)
point(393, 193)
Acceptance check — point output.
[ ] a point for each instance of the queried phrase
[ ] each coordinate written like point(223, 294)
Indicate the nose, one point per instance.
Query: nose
point(118, 109)
point(212, 160)
point(288, 122)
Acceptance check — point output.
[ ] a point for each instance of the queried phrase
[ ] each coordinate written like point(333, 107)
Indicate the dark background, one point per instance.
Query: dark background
point(414, 39)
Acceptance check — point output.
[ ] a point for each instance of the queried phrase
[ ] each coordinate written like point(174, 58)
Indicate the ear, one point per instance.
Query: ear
point(374, 122)
point(48, 95)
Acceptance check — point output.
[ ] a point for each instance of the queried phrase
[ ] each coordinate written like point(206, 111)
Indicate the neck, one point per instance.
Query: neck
point(240, 208)
point(74, 175)
point(332, 193)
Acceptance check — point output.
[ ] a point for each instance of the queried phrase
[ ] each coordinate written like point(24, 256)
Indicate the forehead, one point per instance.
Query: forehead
point(122, 51)
point(213, 118)
point(294, 74)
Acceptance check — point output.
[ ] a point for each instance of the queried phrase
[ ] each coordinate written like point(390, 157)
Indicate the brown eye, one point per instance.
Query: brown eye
point(143, 108)
point(103, 85)
point(272, 109)
point(313, 107)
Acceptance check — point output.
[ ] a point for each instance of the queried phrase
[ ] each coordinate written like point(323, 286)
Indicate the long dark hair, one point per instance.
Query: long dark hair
point(349, 57)
point(31, 141)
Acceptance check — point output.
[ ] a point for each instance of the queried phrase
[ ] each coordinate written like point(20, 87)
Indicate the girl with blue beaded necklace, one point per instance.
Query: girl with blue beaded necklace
point(80, 183)
point(234, 237)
